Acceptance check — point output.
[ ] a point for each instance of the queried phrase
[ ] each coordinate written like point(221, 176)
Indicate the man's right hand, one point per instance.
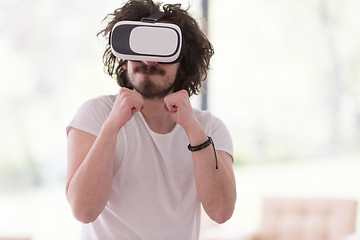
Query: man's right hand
point(127, 103)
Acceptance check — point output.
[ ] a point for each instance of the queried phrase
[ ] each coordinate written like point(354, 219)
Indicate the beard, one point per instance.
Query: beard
point(148, 88)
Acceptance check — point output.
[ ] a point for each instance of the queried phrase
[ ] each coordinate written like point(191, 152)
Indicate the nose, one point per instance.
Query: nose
point(148, 63)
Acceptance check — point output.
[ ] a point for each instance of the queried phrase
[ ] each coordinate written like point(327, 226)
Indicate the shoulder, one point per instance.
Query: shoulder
point(214, 127)
point(101, 105)
point(210, 122)
point(105, 101)
point(92, 114)
point(206, 117)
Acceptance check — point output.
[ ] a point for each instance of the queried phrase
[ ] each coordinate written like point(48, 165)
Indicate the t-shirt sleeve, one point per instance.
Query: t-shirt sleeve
point(91, 116)
point(221, 136)
point(217, 130)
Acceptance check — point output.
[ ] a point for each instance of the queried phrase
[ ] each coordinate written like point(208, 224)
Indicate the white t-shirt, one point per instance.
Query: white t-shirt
point(153, 192)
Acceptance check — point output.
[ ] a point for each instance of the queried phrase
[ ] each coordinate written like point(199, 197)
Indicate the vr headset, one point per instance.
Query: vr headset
point(147, 40)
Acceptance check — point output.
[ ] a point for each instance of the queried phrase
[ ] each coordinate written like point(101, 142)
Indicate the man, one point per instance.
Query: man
point(141, 163)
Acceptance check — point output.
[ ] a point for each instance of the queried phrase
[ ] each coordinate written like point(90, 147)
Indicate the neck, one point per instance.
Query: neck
point(156, 117)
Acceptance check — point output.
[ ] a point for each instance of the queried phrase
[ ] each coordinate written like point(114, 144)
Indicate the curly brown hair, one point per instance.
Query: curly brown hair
point(195, 64)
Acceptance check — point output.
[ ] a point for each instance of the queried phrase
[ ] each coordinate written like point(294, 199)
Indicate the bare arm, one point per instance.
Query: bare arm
point(90, 159)
point(215, 187)
point(90, 164)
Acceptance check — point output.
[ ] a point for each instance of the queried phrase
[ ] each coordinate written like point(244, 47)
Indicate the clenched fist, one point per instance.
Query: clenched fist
point(179, 107)
point(126, 104)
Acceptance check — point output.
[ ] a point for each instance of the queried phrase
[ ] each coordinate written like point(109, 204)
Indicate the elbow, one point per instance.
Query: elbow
point(84, 216)
point(221, 213)
point(82, 212)
point(222, 216)
point(222, 220)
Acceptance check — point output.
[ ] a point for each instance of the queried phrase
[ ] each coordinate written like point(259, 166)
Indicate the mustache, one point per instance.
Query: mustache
point(145, 69)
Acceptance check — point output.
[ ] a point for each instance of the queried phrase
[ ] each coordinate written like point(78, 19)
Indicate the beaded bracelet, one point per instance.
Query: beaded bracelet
point(204, 145)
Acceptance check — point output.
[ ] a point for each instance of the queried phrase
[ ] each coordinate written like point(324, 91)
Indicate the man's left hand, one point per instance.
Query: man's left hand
point(179, 107)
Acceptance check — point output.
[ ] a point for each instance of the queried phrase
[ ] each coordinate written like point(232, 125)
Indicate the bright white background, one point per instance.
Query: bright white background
point(285, 79)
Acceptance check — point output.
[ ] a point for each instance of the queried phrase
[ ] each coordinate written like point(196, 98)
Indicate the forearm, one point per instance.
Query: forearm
point(89, 188)
point(216, 187)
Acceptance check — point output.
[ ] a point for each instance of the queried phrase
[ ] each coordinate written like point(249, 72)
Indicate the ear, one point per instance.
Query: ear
point(125, 66)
